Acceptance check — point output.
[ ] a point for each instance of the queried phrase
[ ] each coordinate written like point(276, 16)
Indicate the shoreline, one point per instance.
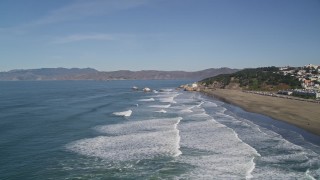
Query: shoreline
point(304, 115)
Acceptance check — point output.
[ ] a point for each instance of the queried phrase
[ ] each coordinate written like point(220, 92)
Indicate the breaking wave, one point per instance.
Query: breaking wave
point(147, 100)
point(160, 106)
point(123, 113)
point(139, 140)
point(202, 137)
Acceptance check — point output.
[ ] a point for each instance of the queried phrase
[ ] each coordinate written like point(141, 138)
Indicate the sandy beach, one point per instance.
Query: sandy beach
point(302, 114)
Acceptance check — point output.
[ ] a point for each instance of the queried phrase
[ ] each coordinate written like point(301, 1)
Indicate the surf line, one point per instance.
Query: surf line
point(178, 138)
point(123, 113)
point(255, 154)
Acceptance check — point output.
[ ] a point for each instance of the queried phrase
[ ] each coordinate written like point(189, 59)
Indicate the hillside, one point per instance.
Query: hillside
point(92, 74)
point(266, 78)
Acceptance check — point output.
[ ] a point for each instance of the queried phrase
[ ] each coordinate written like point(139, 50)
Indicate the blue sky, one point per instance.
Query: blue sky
point(158, 34)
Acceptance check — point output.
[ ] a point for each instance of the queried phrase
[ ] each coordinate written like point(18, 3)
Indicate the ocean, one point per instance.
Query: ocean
point(105, 130)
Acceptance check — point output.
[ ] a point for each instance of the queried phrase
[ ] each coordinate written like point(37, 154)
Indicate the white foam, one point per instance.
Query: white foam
point(161, 111)
point(131, 127)
point(210, 104)
point(197, 109)
point(199, 105)
point(138, 140)
point(160, 106)
point(123, 113)
point(147, 100)
point(201, 115)
point(223, 110)
point(167, 94)
point(167, 100)
point(127, 147)
point(178, 138)
point(309, 176)
point(185, 100)
point(226, 156)
point(250, 170)
point(224, 153)
point(281, 151)
point(187, 110)
point(237, 136)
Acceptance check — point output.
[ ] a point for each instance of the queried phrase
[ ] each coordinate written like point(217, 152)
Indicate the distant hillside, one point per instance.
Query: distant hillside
point(92, 74)
point(267, 78)
point(47, 74)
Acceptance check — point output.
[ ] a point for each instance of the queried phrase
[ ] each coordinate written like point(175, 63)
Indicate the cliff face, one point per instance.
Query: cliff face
point(92, 74)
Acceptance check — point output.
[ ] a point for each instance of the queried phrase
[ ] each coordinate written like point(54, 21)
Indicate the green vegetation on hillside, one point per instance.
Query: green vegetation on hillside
point(266, 78)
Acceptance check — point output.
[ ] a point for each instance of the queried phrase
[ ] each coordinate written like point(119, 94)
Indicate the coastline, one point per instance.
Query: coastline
point(305, 115)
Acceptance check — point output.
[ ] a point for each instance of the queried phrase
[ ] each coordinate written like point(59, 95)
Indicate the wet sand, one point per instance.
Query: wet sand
point(302, 114)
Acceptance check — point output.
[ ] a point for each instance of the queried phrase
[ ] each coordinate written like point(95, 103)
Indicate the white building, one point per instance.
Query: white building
point(311, 66)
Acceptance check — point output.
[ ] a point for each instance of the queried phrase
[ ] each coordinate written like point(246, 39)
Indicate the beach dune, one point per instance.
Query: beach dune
point(302, 114)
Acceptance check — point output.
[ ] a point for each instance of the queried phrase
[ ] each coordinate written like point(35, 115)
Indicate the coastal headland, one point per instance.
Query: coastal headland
point(305, 115)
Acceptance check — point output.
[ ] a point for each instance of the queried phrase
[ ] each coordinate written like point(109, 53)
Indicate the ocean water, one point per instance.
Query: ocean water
point(104, 130)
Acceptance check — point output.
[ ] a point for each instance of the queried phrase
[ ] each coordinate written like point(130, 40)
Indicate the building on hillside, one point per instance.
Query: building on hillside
point(307, 83)
point(311, 66)
point(284, 68)
point(301, 72)
point(288, 72)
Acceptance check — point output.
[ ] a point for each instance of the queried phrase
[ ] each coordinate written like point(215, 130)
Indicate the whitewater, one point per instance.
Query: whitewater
point(194, 134)
point(108, 131)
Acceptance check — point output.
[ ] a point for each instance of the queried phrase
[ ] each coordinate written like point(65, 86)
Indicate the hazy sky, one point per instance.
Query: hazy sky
point(158, 34)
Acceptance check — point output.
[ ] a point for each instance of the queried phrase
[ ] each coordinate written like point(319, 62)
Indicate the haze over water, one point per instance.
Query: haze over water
point(104, 130)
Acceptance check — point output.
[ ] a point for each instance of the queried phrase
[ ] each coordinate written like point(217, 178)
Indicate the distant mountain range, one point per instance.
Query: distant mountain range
point(93, 74)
